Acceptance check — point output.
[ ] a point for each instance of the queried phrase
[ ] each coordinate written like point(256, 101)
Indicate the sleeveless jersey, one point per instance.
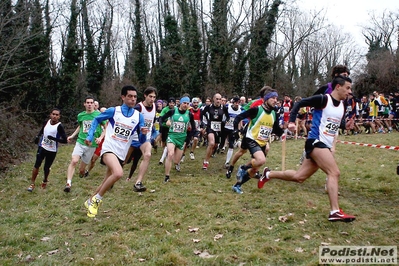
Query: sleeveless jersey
point(148, 121)
point(50, 130)
point(326, 122)
point(179, 124)
point(373, 109)
point(260, 128)
point(232, 115)
point(287, 107)
point(119, 133)
point(197, 118)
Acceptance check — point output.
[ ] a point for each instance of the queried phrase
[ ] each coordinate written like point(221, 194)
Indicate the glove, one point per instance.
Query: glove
point(36, 140)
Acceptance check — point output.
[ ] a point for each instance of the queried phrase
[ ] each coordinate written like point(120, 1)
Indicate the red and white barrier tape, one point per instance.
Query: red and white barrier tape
point(379, 146)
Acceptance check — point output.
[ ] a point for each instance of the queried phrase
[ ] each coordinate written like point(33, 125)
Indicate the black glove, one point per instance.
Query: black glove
point(36, 141)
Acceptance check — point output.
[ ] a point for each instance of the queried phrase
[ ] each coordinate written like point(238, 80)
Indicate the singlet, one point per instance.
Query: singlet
point(326, 122)
point(148, 121)
point(50, 130)
point(119, 133)
point(197, 118)
point(179, 124)
point(260, 128)
point(232, 115)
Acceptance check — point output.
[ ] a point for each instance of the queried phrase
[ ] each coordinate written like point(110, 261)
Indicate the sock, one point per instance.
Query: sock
point(333, 211)
point(69, 182)
point(97, 196)
point(267, 174)
point(229, 155)
point(245, 178)
point(165, 152)
point(231, 168)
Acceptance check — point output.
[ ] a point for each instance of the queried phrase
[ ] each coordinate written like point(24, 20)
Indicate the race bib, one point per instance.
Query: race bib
point(230, 123)
point(122, 132)
point(197, 124)
point(148, 123)
point(264, 133)
point(216, 125)
point(86, 125)
point(332, 127)
point(48, 143)
point(178, 127)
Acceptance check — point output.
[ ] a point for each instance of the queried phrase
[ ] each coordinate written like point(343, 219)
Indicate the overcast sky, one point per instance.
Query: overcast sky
point(351, 13)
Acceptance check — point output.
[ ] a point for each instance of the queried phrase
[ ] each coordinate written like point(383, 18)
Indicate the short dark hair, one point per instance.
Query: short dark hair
point(55, 109)
point(262, 91)
point(150, 90)
point(89, 98)
point(127, 88)
point(338, 70)
point(340, 80)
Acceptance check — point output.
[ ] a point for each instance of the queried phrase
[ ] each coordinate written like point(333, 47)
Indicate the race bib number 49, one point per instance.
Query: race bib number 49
point(331, 127)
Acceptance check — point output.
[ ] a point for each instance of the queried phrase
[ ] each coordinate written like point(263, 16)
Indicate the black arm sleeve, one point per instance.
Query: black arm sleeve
point(166, 116)
point(62, 136)
point(250, 113)
point(317, 101)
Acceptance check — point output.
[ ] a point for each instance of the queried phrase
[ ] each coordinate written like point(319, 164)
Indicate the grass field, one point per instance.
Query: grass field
point(196, 219)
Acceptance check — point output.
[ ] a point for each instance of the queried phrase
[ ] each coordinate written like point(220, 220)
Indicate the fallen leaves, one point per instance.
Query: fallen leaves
point(203, 254)
point(217, 237)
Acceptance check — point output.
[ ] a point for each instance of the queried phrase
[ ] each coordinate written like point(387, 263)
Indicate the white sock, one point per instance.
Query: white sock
point(165, 152)
point(333, 211)
point(267, 174)
point(69, 182)
point(97, 196)
point(229, 155)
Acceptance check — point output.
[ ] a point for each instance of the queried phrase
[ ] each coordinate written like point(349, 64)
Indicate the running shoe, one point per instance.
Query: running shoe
point(182, 158)
point(223, 150)
point(263, 179)
point(86, 174)
point(192, 157)
point(205, 165)
point(93, 207)
point(139, 187)
point(229, 171)
point(340, 216)
point(177, 167)
point(67, 188)
point(44, 185)
point(226, 166)
point(31, 187)
point(166, 179)
point(237, 189)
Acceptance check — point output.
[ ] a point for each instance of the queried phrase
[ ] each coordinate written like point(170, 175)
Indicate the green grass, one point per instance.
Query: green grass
point(50, 227)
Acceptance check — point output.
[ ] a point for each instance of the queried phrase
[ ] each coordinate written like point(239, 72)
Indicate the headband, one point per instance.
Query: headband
point(270, 95)
point(185, 100)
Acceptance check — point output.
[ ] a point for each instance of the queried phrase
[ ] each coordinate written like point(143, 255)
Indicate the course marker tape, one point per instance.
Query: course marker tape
point(379, 146)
